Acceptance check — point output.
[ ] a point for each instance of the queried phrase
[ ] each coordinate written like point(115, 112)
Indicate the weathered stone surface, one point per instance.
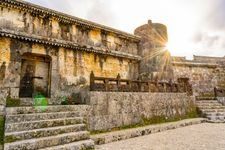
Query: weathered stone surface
point(21, 126)
point(4, 92)
point(43, 116)
point(156, 61)
point(44, 132)
point(80, 109)
point(48, 141)
point(142, 131)
point(115, 109)
point(70, 69)
point(212, 110)
point(80, 145)
point(25, 21)
point(205, 136)
point(61, 127)
point(221, 100)
point(204, 73)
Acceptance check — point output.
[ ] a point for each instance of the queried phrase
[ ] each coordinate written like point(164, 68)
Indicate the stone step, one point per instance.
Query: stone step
point(32, 144)
point(40, 116)
point(80, 145)
point(216, 118)
point(43, 132)
point(24, 126)
point(215, 114)
point(215, 121)
point(211, 107)
point(205, 98)
point(211, 104)
point(207, 102)
point(82, 109)
point(212, 110)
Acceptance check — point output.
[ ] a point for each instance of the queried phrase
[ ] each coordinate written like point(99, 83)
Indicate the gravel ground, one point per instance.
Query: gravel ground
point(204, 136)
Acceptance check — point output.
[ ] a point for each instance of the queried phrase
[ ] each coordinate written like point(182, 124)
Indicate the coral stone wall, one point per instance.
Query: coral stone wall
point(70, 69)
point(116, 109)
point(204, 73)
point(3, 96)
point(156, 61)
point(48, 26)
point(202, 79)
point(74, 46)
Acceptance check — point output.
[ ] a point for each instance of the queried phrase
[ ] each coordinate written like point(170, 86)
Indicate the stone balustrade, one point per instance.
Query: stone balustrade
point(125, 85)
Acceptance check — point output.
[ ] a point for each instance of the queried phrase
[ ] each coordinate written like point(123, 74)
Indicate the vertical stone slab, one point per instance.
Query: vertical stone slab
point(4, 92)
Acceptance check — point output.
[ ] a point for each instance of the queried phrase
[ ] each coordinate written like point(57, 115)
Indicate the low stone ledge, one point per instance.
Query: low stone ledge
point(221, 100)
point(141, 131)
point(2, 110)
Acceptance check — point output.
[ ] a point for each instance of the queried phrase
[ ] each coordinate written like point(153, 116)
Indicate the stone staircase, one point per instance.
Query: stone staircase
point(51, 127)
point(211, 109)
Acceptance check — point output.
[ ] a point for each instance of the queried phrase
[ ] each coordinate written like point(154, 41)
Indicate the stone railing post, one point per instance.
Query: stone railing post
point(149, 86)
point(215, 92)
point(106, 84)
point(164, 87)
point(92, 81)
point(118, 82)
point(130, 85)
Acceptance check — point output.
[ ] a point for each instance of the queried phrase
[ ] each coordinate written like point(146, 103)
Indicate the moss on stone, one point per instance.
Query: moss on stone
point(10, 139)
point(2, 129)
point(154, 120)
point(10, 102)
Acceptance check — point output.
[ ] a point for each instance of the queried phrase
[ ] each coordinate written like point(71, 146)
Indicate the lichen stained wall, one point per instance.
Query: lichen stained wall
point(69, 68)
point(204, 73)
point(50, 27)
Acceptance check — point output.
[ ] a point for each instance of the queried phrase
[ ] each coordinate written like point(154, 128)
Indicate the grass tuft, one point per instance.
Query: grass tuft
point(2, 128)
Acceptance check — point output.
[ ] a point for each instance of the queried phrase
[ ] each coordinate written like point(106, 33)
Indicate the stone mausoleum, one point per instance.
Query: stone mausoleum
point(53, 54)
point(110, 77)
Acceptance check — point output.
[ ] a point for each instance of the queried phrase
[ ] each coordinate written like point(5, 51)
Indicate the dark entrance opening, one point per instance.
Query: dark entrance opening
point(35, 75)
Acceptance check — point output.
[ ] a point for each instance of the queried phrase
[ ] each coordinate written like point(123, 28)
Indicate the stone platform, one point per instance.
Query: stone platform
point(141, 131)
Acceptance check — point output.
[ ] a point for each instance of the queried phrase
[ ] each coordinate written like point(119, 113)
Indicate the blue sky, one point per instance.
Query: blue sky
point(195, 27)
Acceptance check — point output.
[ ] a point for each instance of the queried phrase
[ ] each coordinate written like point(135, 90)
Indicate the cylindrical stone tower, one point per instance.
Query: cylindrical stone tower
point(156, 60)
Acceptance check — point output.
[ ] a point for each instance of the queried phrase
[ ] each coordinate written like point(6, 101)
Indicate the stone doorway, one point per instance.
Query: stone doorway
point(35, 76)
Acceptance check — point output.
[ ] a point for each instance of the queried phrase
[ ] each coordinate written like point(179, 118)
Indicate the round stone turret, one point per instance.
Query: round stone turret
point(156, 59)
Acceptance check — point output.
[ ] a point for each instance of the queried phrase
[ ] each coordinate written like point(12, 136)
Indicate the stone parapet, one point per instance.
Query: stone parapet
point(3, 96)
point(118, 109)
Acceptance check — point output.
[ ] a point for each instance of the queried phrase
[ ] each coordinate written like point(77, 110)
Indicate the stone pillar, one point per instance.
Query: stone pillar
point(4, 92)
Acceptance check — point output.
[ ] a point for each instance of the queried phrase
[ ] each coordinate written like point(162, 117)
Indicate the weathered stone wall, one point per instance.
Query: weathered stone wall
point(70, 69)
point(156, 61)
point(204, 74)
point(46, 25)
point(116, 109)
point(202, 79)
point(75, 47)
point(3, 96)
